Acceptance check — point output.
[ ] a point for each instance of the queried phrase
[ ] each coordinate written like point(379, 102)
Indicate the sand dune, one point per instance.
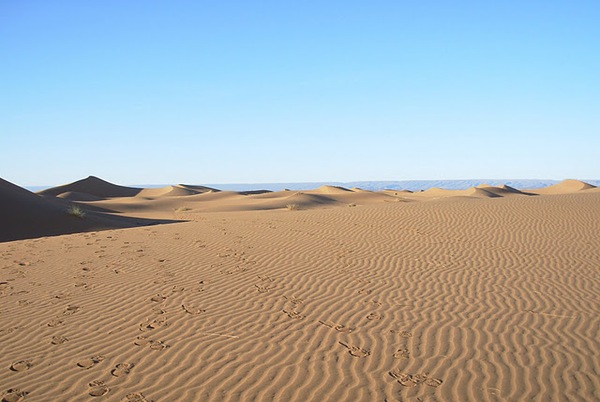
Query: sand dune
point(94, 186)
point(564, 187)
point(480, 295)
point(461, 299)
point(330, 190)
point(77, 196)
point(25, 215)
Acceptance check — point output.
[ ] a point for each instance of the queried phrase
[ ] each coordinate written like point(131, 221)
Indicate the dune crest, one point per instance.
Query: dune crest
point(94, 186)
point(564, 187)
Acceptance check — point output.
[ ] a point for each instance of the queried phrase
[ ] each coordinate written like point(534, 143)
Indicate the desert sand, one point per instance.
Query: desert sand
point(187, 293)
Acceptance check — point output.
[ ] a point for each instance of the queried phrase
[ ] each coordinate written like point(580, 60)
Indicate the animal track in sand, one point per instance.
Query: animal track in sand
point(355, 350)
point(365, 292)
point(192, 309)
point(402, 354)
point(158, 298)
point(13, 395)
point(262, 289)
point(374, 316)
point(294, 300)
point(141, 341)
point(176, 289)
point(58, 340)
point(70, 310)
point(265, 278)
point(373, 303)
point(293, 314)
point(337, 327)
point(122, 369)
point(9, 330)
point(154, 324)
point(134, 397)
point(404, 334)
point(97, 388)
point(21, 365)
point(158, 345)
point(412, 380)
point(90, 361)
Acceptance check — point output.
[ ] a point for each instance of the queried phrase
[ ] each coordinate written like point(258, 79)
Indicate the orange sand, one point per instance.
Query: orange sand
point(489, 294)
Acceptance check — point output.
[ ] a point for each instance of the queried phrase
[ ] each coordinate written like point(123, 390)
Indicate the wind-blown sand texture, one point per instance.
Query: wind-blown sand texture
point(402, 297)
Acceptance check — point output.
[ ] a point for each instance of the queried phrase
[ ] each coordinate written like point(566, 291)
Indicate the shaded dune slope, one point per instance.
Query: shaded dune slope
point(26, 215)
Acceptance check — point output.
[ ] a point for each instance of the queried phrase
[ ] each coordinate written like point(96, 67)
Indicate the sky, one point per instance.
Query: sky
point(293, 91)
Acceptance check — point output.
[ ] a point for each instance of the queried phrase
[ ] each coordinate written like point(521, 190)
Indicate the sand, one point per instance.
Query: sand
point(490, 294)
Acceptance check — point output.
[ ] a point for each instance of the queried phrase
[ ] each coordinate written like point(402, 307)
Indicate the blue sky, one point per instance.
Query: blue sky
point(285, 91)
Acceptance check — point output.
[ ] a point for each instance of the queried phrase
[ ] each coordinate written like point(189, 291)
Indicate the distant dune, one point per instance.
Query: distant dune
point(25, 215)
point(565, 187)
point(93, 186)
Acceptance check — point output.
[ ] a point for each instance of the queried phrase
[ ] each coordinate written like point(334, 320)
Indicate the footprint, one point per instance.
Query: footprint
point(407, 380)
point(294, 314)
point(192, 310)
point(404, 334)
point(158, 311)
point(21, 365)
point(343, 328)
point(8, 330)
point(419, 378)
point(158, 298)
point(356, 351)
point(70, 310)
point(373, 303)
point(141, 341)
point(158, 345)
point(154, 324)
point(55, 322)
point(90, 361)
point(337, 327)
point(433, 382)
point(262, 289)
point(134, 397)
point(122, 369)
point(98, 388)
point(365, 291)
point(58, 340)
point(13, 395)
point(294, 300)
point(402, 354)
point(374, 316)
point(177, 289)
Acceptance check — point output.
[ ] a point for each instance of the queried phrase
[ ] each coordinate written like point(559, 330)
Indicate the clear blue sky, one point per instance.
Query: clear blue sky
point(284, 91)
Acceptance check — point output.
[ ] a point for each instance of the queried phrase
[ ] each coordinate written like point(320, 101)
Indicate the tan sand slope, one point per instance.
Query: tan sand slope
point(461, 299)
point(564, 187)
point(94, 186)
point(25, 215)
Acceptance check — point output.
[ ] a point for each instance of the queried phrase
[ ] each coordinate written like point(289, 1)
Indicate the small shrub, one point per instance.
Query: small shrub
point(292, 207)
point(76, 211)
